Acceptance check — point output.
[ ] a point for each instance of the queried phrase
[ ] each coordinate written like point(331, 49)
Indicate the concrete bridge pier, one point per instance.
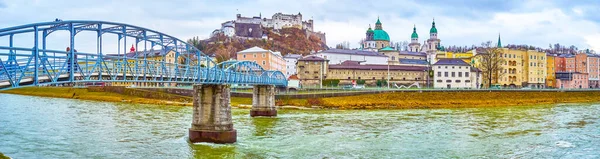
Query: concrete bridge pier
point(263, 101)
point(212, 115)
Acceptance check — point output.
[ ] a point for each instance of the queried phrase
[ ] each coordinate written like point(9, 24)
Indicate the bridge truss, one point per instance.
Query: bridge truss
point(34, 64)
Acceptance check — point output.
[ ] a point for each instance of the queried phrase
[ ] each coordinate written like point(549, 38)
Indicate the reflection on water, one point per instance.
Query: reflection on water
point(33, 127)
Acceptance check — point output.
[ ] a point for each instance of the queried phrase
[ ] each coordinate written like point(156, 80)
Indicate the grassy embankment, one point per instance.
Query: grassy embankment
point(416, 100)
point(3, 157)
point(397, 100)
point(85, 94)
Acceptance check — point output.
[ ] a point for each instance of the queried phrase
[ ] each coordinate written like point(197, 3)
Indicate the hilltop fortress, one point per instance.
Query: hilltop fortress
point(253, 27)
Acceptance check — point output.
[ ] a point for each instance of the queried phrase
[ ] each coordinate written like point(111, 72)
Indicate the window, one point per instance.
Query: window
point(348, 77)
point(439, 74)
point(453, 75)
point(457, 81)
point(244, 56)
point(448, 81)
point(254, 55)
point(306, 72)
point(467, 81)
point(466, 74)
point(264, 62)
point(439, 81)
point(373, 78)
point(459, 74)
point(445, 74)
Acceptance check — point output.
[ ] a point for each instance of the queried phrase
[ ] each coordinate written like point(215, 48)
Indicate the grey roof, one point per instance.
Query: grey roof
point(412, 53)
point(413, 61)
point(294, 56)
point(473, 69)
point(593, 55)
point(451, 61)
point(566, 55)
point(312, 58)
point(356, 66)
point(353, 52)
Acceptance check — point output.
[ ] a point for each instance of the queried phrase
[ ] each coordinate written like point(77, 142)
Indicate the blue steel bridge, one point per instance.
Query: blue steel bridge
point(32, 64)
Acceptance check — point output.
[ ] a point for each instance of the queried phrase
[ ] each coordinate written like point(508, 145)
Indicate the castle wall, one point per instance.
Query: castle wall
point(248, 30)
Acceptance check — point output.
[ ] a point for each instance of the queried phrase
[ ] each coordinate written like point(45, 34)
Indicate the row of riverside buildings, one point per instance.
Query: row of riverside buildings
point(429, 64)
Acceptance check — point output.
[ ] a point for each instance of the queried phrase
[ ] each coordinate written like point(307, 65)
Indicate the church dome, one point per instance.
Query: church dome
point(380, 35)
point(433, 29)
point(414, 34)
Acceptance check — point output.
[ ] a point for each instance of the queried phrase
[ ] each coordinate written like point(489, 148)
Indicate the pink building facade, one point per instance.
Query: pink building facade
point(572, 80)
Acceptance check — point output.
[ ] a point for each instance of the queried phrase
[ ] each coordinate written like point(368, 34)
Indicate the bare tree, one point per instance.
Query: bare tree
point(343, 45)
point(491, 62)
point(195, 41)
point(361, 42)
point(404, 45)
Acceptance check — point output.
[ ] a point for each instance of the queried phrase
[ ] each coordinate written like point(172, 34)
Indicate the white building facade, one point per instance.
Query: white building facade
point(337, 56)
point(455, 74)
point(290, 64)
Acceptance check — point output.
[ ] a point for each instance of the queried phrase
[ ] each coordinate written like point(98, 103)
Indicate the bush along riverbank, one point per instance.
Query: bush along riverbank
point(391, 100)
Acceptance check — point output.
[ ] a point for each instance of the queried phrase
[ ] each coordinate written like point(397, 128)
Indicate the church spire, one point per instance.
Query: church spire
point(499, 42)
point(378, 24)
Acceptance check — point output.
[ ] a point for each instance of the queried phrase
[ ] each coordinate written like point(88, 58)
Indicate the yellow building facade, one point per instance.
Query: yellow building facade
point(513, 68)
point(550, 76)
point(535, 67)
point(465, 56)
point(523, 68)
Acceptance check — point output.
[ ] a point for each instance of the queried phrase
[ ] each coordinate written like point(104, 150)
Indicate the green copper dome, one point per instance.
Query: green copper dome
point(387, 49)
point(369, 30)
point(380, 35)
point(414, 34)
point(433, 29)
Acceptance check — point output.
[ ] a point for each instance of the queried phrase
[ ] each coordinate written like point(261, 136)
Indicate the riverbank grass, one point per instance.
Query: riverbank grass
point(390, 100)
point(84, 94)
point(2, 156)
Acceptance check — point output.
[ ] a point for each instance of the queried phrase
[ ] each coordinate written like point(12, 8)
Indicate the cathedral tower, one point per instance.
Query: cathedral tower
point(414, 41)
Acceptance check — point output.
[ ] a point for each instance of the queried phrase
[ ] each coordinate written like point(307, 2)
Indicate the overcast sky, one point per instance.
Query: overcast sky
point(459, 22)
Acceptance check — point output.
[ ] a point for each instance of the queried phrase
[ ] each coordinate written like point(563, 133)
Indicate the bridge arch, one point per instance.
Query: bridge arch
point(36, 65)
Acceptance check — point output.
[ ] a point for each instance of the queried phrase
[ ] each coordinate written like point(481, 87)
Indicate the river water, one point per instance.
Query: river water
point(37, 127)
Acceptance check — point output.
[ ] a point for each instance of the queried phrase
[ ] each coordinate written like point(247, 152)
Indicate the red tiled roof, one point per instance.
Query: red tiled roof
point(293, 77)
